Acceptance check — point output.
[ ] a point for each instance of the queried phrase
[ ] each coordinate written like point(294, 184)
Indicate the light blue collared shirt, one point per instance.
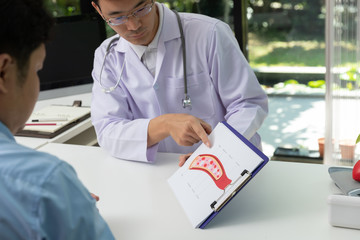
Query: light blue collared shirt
point(41, 197)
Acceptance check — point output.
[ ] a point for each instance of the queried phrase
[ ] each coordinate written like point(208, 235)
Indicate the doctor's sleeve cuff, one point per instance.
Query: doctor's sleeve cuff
point(151, 153)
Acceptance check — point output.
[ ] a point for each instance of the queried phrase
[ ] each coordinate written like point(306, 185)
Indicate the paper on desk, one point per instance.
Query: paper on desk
point(54, 111)
point(197, 190)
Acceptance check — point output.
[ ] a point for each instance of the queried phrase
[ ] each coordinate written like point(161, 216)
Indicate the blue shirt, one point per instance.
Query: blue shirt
point(41, 197)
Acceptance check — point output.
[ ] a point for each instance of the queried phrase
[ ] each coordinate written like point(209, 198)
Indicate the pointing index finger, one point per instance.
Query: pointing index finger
point(203, 131)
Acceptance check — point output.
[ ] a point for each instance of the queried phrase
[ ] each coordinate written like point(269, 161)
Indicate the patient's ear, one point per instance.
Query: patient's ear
point(5, 62)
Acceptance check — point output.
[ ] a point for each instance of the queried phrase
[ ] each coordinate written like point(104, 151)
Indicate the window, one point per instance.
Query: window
point(286, 45)
point(63, 8)
point(287, 40)
point(343, 96)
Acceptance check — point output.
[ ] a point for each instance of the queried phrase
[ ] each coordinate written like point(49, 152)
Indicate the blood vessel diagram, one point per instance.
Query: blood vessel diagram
point(213, 167)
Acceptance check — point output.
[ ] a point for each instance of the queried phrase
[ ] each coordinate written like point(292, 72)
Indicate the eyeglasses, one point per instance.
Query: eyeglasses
point(137, 13)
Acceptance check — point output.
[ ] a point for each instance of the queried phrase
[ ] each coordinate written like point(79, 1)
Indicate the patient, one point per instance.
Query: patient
point(40, 195)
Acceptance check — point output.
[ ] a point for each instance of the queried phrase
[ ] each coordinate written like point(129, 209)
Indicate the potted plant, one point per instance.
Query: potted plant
point(347, 149)
point(321, 142)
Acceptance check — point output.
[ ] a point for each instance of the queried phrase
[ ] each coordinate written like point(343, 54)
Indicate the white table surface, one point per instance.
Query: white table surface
point(284, 201)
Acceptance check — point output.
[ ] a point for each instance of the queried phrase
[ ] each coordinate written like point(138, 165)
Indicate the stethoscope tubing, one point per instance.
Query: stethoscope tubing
point(110, 89)
point(186, 102)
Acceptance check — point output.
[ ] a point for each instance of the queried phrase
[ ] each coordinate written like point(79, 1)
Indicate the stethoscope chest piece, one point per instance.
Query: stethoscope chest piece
point(186, 102)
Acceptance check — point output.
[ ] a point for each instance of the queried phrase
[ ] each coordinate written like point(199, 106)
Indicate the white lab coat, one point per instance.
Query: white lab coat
point(221, 85)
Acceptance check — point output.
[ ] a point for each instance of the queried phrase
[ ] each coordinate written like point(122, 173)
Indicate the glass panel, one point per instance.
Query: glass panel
point(344, 100)
point(220, 9)
point(287, 52)
point(60, 8)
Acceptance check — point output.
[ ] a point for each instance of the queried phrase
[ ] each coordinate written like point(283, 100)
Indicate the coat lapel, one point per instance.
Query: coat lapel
point(168, 33)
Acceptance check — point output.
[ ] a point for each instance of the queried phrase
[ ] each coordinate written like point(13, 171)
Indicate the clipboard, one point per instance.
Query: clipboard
point(73, 115)
point(203, 194)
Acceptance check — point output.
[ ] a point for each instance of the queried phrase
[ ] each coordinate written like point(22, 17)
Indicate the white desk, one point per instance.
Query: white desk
point(82, 133)
point(284, 201)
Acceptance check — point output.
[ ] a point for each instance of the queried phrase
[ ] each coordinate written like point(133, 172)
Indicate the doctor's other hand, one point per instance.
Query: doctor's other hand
point(183, 158)
point(185, 129)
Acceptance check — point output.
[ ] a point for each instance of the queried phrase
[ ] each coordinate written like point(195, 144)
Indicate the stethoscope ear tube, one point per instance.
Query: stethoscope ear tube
point(110, 89)
point(186, 102)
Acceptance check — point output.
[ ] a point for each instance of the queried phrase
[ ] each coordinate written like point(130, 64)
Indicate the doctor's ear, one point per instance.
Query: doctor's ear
point(97, 8)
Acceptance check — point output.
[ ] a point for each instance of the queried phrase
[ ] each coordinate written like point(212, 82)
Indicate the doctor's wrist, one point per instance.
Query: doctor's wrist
point(158, 129)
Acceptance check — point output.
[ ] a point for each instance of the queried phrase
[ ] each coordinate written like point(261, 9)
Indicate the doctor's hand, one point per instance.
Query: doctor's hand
point(183, 158)
point(185, 129)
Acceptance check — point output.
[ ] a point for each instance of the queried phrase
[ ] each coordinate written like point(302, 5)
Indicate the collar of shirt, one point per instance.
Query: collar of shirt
point(5, 132)
point(139, 49)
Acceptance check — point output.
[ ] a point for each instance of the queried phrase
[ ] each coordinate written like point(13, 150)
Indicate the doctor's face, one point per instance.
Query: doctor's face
point(137, 20)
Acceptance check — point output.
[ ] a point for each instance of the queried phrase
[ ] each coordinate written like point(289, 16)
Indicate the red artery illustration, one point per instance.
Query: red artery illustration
point(213, 167)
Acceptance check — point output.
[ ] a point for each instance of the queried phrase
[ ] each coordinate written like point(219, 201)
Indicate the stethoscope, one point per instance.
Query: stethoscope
point(186, 101)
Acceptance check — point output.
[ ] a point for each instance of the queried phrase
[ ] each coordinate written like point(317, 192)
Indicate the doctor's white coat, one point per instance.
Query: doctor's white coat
point(221, 85)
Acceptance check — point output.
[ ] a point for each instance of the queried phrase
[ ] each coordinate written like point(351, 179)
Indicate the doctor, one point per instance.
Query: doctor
point(141, 103)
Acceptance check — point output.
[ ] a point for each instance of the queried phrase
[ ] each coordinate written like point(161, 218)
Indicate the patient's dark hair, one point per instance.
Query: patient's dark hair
point(24, 25)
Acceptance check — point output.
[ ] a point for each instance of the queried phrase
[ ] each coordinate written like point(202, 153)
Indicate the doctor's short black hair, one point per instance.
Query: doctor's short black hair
point(24, 26)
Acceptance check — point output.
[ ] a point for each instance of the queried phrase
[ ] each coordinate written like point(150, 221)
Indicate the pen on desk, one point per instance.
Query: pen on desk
point(49, 119)
point(43, 124)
